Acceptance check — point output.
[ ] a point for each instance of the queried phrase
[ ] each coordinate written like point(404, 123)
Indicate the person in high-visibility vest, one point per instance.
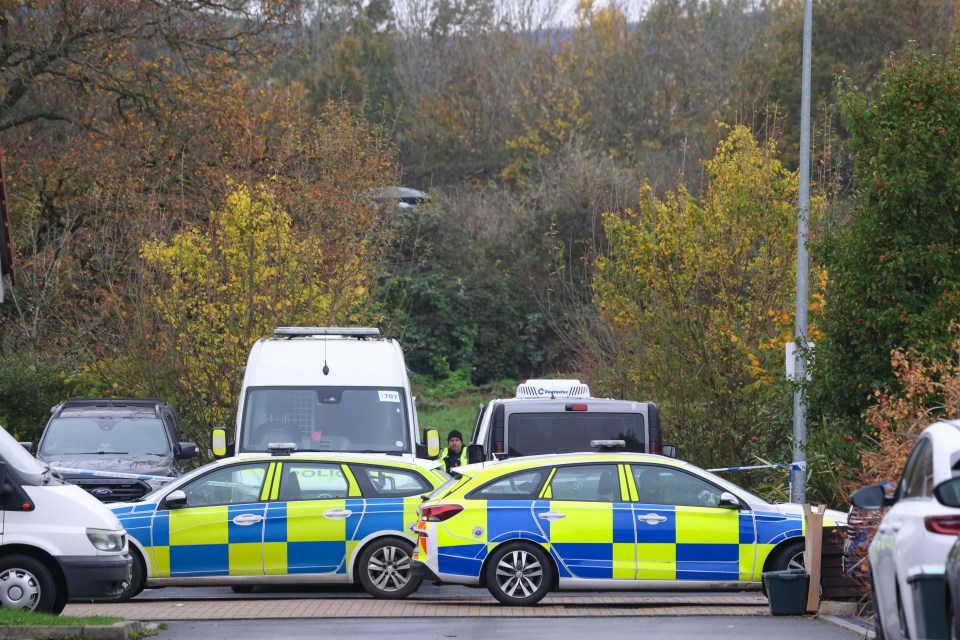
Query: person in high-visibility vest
point(455, 454)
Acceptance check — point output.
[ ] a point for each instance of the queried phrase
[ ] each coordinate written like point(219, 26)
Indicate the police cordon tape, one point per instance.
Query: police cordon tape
point(794, 466)
point(158, 480)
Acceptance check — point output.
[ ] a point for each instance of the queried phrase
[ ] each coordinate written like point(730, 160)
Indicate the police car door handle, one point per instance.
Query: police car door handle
point(337, 514)
point(247, 519)
point(651, 518)
point(551, 515)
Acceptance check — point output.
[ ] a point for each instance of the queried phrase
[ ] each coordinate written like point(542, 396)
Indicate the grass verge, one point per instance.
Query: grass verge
point(21, 618)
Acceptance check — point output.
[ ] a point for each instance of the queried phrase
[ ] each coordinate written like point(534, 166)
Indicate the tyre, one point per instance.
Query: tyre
point(241, 588)
point(138, 577)
point(953, 628)
point(902, 618)
point(386, 570)
point(519, 573)
point(26, 583)
point(789, 557)
point(877, 620)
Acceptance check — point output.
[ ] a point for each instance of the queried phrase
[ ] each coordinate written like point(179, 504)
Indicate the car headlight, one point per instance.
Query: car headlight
point(106, 539)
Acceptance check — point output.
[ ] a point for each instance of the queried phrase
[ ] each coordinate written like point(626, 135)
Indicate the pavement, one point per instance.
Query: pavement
point(143, 612)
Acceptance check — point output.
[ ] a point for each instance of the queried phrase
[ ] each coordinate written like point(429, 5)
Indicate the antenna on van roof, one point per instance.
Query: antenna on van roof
point(326, 369)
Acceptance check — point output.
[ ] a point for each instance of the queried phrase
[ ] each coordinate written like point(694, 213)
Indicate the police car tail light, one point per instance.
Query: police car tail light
point(947, 525)
point(440, 512)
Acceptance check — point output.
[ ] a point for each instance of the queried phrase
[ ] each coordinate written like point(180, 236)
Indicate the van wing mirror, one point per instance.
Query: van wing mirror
point(432, 439)
point(670, 450)
point(475, 453)
point(219, 445)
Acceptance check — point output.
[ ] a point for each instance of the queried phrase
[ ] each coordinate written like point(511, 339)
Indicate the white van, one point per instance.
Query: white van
point(560, 416)
point(57, 542)
point(326, 389)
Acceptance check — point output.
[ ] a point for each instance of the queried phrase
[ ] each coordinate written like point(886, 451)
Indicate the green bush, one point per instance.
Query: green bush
point(27, 393)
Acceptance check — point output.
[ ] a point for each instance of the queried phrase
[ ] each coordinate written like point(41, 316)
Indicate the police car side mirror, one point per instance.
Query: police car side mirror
point(175, 499)
point(475, 453)
point(729, 500)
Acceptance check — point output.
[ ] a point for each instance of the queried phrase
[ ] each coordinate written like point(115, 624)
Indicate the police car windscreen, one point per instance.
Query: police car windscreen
point(538, 433)
point(351, 419)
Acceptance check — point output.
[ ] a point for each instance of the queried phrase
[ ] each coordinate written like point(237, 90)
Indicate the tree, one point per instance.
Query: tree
point(894, 272)
point(216, 290)
point(700, 292)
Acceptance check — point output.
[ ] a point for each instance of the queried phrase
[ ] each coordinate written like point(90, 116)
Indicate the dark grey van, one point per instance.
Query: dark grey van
point(560, 416)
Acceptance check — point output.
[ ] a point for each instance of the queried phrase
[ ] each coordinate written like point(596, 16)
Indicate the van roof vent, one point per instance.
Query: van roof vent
point(553, 389)
point(294, 332)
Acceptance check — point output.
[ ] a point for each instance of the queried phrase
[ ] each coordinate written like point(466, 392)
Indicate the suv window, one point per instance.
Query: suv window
point(918, 476)
point(120, 435)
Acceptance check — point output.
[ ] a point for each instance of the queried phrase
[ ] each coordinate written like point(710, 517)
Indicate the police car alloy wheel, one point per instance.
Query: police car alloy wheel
point(386, 571)
point(519, 573)
point(25, 583)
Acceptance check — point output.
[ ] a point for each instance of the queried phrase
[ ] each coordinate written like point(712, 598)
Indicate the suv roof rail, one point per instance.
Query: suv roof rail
point(72, 403)
point(553, 389)
point(296, 332)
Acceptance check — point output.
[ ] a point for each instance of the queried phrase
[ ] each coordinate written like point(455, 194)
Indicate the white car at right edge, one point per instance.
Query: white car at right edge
point(917, 530)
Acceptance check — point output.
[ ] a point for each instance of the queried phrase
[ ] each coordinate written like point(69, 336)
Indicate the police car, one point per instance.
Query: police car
point(282, 519)
point(526, 526)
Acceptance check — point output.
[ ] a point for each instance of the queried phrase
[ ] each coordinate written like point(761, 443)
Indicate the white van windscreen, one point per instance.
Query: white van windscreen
point(349, 419)
point(531, 434)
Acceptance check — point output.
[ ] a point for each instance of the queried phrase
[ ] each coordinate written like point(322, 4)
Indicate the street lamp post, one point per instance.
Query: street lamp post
point(798, 470)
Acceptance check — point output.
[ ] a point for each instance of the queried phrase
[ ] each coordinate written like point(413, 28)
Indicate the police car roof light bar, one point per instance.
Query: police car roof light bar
point(294, 332)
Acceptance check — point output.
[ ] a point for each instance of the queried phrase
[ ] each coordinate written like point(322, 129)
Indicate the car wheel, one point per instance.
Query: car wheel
point(952, 626)
point(138, 570)
point(386, 570)
point(519, 573)
point(241, 588)
point(789, 557)
point(26, 583)
point(877, 621)
point(902, 619)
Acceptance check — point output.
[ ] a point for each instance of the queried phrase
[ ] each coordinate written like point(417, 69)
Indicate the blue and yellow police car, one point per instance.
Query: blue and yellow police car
point(527, 526)
point(282, 519)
